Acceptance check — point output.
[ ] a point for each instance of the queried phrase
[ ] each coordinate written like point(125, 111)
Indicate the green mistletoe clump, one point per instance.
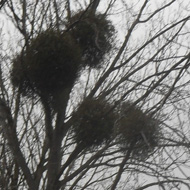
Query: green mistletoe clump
point(137, 129)
point(93, 122)
point(50, 63)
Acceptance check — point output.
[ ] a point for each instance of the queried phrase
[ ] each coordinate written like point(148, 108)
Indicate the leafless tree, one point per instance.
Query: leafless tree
point(146, 70)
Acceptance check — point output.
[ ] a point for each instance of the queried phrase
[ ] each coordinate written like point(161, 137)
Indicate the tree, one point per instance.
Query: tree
point(90, 100)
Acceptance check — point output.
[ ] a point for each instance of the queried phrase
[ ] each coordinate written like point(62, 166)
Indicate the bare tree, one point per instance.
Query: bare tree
point(94, 94)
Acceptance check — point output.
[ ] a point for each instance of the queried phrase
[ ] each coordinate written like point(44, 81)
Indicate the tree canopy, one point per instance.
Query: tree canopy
point(94, 94)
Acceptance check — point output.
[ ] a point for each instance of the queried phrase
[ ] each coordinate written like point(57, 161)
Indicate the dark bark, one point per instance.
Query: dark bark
point(9, 128)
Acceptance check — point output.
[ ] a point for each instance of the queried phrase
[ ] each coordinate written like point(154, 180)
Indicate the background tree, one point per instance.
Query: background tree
point(94, 94)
